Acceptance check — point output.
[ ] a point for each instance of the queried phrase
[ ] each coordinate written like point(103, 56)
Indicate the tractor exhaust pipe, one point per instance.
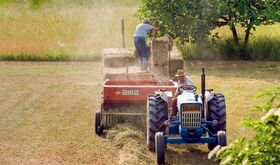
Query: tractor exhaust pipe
point(203, 93)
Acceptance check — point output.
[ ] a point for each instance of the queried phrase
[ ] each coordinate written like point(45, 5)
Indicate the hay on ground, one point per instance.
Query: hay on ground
point(131, 142)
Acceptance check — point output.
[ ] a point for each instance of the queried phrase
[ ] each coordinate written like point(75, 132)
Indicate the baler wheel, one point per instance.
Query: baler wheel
point(157, 113)
point(98, 127)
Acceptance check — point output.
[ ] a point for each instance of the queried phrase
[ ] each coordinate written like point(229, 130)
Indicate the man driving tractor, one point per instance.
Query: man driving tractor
point(183, 80)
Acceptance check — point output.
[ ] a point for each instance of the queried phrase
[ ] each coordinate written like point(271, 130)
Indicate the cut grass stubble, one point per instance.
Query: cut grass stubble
point(47, 112)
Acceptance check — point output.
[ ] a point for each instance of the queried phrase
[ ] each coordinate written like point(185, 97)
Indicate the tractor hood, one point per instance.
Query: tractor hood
point(188, 96)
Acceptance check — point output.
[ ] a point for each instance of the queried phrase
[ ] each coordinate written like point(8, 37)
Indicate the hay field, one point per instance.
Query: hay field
point(46, 112)
point(59, 30)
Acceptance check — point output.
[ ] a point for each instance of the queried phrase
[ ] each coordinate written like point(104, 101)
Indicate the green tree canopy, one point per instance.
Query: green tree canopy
point(183, 19)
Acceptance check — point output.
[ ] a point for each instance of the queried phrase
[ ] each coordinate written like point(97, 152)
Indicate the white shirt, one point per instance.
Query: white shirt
point(142, 29)
point(187, 81)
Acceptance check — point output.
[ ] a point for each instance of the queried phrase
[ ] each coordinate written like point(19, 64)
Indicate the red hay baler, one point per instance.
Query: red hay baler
point(126, 95)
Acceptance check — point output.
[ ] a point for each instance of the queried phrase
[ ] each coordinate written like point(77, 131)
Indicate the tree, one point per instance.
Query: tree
point(186, 20)
point(182, 19)
point(249, 14)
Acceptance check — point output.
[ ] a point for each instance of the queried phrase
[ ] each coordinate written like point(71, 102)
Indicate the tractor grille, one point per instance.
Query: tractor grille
point(191, 115)
point(191, 119)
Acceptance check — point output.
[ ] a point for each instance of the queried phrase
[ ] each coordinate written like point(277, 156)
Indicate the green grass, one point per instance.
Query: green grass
point(47, 112)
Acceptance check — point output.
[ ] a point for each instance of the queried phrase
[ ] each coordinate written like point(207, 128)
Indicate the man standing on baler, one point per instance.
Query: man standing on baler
point(140, 42)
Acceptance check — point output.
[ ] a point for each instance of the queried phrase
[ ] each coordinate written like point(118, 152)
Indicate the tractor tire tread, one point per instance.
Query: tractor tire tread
point(156, 116)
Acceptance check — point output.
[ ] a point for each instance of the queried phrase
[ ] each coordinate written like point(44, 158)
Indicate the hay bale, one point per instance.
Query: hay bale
point(118, 57)
point(161, 54)
point(160, 57)
point(176, 61)
point(174, 65)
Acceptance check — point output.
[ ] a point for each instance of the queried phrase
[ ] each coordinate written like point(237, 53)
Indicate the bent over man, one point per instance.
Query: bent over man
point(140, 42)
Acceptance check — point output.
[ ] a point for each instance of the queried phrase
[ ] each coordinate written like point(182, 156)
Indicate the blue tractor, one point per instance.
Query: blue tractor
point(200, 119)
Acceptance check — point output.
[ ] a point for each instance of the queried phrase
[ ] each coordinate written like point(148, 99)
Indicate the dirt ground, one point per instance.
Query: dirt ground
point(46, 112)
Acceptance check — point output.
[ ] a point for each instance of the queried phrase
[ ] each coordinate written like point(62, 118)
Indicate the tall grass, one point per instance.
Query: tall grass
point(77, 29)
point(263, 45)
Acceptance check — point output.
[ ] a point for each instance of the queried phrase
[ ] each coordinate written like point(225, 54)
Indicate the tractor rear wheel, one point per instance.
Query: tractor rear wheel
point(160, 147)
point(157, 113)
point(217, 111)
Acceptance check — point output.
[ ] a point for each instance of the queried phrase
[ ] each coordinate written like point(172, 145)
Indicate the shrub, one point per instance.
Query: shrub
point(264, 147)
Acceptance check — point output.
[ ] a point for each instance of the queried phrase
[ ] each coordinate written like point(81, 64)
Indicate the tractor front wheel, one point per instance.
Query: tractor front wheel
point(157, 113)
point(160, 147)
point(222, 138)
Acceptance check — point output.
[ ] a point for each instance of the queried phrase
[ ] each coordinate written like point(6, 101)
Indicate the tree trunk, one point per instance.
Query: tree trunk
point(248, 30)
point(246, 40)
point(233, 30)
point(234, 34)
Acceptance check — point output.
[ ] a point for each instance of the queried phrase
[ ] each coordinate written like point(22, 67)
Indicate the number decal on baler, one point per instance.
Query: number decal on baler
point(130, 92)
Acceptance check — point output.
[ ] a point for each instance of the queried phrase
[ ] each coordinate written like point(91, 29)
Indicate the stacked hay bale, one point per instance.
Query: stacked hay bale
point(160, 57)
point(118, 57)
point(176, 61)
point(118, 61)
point(165, 58)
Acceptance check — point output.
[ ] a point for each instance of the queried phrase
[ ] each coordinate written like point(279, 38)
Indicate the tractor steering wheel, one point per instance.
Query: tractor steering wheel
point(187, 87)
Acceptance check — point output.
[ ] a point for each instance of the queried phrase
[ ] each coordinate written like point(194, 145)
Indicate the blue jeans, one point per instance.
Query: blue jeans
point(142, 51)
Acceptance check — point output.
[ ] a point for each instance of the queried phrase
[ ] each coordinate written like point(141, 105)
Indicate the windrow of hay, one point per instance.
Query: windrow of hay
point(131, 142)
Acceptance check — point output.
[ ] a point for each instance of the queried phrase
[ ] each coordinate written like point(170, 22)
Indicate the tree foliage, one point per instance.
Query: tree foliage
point(182, 19)
point(264, 147)
point(249, 14)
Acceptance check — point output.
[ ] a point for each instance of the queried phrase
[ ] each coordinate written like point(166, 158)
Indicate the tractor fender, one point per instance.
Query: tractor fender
point(164, 94)
point(208, 96)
